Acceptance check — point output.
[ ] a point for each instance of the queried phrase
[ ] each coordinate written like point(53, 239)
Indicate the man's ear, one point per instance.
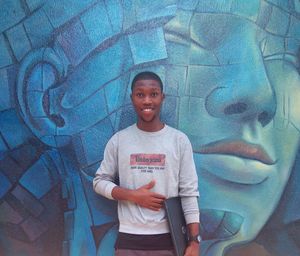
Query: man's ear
point(40, 70)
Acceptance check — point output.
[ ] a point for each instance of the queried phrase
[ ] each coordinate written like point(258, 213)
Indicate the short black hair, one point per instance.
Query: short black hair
point(146, 75)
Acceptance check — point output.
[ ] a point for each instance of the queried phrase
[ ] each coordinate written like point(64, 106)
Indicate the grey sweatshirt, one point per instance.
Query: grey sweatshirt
point(137, 157)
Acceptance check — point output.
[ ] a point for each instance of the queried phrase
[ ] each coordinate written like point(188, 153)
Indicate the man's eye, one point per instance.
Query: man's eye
point(154, 94)
point(139, 95)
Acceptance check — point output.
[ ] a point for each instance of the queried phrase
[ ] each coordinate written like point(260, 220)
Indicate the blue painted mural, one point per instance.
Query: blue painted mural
point(231, 73)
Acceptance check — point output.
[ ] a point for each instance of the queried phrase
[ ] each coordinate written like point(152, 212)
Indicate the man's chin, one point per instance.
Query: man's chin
point(147, 120)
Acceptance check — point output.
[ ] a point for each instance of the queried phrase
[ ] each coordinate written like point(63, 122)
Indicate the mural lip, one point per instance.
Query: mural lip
point(238, 148)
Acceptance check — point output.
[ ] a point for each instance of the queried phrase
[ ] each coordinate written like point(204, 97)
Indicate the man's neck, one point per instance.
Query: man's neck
point(151, 126)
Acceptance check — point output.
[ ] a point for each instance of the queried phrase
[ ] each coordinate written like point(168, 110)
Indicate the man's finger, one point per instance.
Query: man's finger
point(159, 196)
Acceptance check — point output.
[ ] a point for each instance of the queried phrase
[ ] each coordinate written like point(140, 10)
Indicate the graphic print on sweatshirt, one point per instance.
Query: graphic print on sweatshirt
point(147, 162)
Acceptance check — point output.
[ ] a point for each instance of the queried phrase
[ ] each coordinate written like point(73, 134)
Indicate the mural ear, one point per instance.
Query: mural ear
point(41, 70)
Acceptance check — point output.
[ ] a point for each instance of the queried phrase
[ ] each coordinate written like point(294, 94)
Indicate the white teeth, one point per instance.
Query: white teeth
point(147, 109)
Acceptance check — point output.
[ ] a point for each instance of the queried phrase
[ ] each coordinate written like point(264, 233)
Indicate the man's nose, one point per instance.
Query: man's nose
point(147, 100)
point(245, 94)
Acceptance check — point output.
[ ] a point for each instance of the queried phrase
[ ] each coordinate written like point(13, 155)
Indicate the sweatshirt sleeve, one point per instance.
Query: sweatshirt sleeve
point(191, 209)
point(105, 177)
point(188, 183)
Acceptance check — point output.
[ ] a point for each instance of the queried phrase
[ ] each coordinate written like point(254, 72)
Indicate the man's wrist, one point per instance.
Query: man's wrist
point(195, 238)
point(194, 243)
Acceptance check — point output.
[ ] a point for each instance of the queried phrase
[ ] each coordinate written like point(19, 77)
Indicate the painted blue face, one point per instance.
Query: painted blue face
point(238, 86)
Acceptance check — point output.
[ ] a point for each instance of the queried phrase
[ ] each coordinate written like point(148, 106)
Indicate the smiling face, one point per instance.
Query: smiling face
point(239, 107)
point(147, 99)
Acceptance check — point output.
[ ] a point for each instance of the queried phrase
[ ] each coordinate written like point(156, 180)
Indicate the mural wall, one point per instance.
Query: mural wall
point(231, 75)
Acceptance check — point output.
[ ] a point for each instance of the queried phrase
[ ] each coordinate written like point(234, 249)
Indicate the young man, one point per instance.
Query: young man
point(152, 162)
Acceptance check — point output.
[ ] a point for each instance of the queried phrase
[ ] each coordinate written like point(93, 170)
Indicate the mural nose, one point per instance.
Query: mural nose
point(264, 117)
point(244, 102)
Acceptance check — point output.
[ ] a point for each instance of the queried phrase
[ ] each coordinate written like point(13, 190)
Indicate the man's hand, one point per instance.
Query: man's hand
point(193, 249)
point(142, 196)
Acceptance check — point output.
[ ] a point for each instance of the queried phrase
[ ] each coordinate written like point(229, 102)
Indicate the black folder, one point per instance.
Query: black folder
point(177, 224)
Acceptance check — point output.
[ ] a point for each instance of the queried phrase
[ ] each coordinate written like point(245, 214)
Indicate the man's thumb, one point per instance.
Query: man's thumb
point(150, 184)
